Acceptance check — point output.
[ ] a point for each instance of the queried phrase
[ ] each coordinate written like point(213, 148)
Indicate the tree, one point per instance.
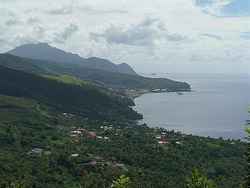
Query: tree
point(199, 181)
point(246, 183)
point(122, 182)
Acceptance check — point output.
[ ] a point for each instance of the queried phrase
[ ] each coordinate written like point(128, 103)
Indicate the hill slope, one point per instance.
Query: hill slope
point(85, 100)
point(124, 81)
point(91, 161)
point(43, 51)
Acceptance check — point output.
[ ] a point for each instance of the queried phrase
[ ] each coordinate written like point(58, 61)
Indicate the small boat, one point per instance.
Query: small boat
point(179, 93)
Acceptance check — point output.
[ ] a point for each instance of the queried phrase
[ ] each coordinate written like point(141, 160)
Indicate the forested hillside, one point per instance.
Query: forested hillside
point(111, 79)
point(43, 148)
point(86, 100)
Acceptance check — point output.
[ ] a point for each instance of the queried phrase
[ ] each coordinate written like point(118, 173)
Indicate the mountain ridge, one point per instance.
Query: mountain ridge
point(43, 51)
point(111, 79)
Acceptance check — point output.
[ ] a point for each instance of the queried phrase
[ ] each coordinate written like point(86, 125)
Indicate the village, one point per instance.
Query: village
point(110, 132)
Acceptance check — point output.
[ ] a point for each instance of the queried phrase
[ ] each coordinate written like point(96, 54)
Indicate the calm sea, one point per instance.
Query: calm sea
point(217, 107)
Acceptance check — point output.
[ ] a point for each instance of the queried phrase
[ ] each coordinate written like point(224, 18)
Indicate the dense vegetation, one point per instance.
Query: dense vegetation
point(110, 79)
point(147, 163)
point(85, 100)
point(85, 137)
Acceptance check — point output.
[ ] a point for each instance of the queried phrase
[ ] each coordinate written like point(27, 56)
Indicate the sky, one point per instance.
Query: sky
point(154, 36)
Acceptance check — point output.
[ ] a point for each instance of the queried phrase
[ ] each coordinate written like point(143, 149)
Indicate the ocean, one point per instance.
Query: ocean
point(216, 107)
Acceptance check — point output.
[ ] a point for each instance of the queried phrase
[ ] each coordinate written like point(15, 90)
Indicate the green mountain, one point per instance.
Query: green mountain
point(43, 51)
point(111, 79)
point(85, 100)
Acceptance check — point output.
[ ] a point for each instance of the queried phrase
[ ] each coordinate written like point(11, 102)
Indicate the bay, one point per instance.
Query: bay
point(216, 107)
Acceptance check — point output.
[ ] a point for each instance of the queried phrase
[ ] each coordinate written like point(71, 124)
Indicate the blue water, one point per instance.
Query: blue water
point(217, 107)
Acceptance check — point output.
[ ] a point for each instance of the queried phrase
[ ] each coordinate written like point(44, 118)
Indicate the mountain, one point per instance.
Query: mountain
point(125, 68)
point(15, 62)
point(43, 51)
point(113, 79)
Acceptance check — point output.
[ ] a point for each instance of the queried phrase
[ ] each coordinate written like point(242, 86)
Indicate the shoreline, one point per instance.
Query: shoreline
point(197, 128)
point(142, 92)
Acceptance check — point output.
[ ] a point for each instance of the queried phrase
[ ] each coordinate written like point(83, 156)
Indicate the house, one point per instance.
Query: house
point(156, 90)
point(73, 135)
point(79, 133)
point(120, 166)
point(36, 151)
point(74, 155)
point(92, 133)
point(93, 163)
point(59, 127)
point(163, 142)
point(178, 143)
point(46, 151)
point(97, 158)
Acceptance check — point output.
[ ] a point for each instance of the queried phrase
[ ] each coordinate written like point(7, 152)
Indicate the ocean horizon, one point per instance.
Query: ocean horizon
point(217, 106)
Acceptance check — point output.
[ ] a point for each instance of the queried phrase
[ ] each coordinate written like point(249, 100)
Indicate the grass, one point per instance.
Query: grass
point(209, 144)
point(20, 102)
point(138, 93)
point(67, 79)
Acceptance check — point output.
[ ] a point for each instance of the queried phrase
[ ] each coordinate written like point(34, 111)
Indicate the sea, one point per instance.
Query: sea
point(216, 107)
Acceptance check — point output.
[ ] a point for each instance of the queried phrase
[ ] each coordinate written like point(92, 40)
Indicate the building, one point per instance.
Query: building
point(36, 151)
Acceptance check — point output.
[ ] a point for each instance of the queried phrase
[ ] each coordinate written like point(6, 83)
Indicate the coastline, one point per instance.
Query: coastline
point(212, 108)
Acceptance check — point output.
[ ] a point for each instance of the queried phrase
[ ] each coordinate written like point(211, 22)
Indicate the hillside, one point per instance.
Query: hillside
point(111, 79)
point(85, 100)
point(43, 51)
point(40, 147)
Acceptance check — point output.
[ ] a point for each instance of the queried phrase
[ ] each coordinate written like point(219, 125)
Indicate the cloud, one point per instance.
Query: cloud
point(39, 30)
point(12, 22)
point(145, 33)
point(212, 36)
point(214, 7)
point(131, 36)
point(215, 57)
point(147, 21)
point(245, 36)
point(96, 11)
point(69, 30)
point(63, 10)
point(161, 34)
point(3, 40)
point(32, 20)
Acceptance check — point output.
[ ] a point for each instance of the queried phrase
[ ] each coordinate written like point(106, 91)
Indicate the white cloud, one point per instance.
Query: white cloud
point(149, 35)
point(145, 33)
point(12, 22)
point(32, 20)
point(215, 7)
point(70, 29)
